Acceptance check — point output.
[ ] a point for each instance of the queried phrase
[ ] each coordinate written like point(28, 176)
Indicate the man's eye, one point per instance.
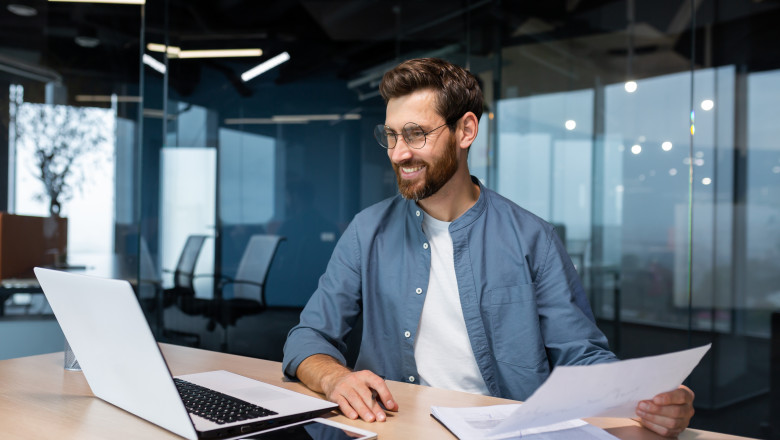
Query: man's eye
point(414, 134)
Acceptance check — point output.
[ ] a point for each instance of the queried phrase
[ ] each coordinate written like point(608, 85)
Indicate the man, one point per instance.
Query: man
point(458, 287)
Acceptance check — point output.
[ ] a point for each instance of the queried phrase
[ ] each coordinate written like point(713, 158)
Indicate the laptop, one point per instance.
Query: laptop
point(107, 330)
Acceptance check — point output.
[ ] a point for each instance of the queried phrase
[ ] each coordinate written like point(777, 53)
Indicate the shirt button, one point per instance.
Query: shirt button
point(418, 213)
point(407, 333)
point(411, 379)
point(419, 290)
point(425, 245)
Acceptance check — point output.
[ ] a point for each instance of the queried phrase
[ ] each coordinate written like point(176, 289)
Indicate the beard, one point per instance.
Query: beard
point(436, 174)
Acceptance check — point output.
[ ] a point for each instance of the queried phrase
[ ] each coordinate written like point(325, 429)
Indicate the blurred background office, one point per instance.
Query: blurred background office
point(134, 145)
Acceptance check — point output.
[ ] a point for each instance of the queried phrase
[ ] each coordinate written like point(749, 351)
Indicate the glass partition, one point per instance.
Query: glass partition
point(69, 136)
point(657, 192)
point(69, 123)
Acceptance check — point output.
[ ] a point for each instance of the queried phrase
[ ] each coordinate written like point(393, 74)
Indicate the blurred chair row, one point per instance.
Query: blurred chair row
point(233, 298)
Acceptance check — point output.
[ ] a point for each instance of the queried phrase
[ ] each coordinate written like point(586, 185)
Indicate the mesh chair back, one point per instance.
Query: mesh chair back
point(185, 268)
point(255, 264)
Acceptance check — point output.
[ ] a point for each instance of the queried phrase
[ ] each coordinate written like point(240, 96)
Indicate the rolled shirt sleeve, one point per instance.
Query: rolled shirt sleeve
point(331, 312)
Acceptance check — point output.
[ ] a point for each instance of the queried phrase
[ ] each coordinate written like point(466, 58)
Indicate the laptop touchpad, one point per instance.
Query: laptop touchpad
point(259, 394)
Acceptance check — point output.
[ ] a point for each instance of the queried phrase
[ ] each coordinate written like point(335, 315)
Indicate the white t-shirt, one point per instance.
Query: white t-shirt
point(442, 349)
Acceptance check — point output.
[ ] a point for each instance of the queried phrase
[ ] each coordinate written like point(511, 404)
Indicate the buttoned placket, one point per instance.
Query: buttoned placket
point(420, 277)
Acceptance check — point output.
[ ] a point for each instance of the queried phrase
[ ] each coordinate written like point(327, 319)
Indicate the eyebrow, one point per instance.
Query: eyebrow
point(392, 129)
point(423, 127)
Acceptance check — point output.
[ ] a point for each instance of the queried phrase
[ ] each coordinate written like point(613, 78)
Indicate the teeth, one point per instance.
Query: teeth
point(411, 170)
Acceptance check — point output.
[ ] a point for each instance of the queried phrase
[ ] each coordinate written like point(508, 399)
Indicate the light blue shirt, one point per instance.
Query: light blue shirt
point(523, 303)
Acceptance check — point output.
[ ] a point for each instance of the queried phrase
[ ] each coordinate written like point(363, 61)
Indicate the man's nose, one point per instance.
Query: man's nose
point(401, 152)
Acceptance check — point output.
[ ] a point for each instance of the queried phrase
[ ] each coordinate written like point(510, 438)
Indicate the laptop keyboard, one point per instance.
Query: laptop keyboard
point(215, 406)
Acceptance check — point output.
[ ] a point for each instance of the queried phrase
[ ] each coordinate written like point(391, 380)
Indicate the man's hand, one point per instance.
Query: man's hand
point(354, 392)
point(357, 393)
point(669, 413)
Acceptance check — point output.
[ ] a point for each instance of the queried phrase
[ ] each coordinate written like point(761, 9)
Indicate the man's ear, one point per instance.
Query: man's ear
point(468, 126)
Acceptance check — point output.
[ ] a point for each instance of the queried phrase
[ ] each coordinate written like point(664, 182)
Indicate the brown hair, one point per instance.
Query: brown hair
point(457, 90)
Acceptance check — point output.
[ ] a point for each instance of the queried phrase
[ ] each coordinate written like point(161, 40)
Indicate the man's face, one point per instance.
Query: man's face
point(421, 172)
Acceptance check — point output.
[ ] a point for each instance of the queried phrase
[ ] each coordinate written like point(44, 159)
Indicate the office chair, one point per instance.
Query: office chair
point(184, 273)
point(248, 286)
point(182, 294)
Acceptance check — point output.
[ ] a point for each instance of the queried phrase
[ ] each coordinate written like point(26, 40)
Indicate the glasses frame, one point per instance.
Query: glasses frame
point(383, 131)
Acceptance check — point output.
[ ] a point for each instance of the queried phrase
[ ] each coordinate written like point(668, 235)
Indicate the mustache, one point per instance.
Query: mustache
point(410, 163)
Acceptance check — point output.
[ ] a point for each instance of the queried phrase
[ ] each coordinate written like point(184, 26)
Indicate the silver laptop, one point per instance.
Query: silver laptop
point(107, 330)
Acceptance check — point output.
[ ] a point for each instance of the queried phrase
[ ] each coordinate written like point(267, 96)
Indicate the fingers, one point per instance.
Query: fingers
point(378, 384)
point(353, 405)
point(660, 429)
point(667, 420)
point(668, 413)
point(681, 396)
point(354, 393)
point(345, 407)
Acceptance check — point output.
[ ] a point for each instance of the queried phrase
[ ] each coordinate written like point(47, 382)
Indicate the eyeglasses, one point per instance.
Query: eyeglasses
point(412, 133)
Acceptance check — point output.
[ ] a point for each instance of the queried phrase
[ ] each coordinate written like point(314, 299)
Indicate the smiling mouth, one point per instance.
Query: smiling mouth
point(409, 173)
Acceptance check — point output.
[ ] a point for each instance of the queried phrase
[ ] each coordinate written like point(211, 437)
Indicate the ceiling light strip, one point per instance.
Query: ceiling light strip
point(220, 53)
point(118, 2)
point(305, 118)
point(265, 66)
point(157, 113)
point(153, 63)
point(292, 119)
point(161, 48)
point(261, 121)
point(107, 98)
point(176, 52)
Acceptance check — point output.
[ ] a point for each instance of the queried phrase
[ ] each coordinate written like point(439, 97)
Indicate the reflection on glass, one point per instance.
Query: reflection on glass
point(187, 207)
point(64, 165)
point(762, 211)
point(247, 191)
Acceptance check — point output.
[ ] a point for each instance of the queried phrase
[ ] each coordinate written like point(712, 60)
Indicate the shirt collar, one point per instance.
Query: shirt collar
point(465, 219)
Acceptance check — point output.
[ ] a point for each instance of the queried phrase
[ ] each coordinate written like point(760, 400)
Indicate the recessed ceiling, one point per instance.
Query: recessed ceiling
point(98, 45)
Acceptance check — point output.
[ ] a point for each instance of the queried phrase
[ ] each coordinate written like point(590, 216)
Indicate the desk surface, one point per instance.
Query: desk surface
point(39, 399)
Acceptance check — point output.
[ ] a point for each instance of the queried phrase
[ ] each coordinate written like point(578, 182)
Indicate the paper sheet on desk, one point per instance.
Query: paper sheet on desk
point(475, 423)
point(602, 390)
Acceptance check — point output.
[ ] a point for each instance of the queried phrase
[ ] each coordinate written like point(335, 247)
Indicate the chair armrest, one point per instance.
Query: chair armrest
point(223, 283)
point(221, 278)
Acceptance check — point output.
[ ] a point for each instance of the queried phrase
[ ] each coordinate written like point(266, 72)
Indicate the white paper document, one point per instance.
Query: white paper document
point(574, 392)
point(475, 423)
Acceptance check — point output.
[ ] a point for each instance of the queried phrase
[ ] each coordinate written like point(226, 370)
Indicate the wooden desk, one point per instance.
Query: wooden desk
point(40, 400)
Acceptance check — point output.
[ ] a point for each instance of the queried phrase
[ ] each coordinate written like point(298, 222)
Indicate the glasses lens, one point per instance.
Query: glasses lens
point(414, 135)
point(385, 137)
